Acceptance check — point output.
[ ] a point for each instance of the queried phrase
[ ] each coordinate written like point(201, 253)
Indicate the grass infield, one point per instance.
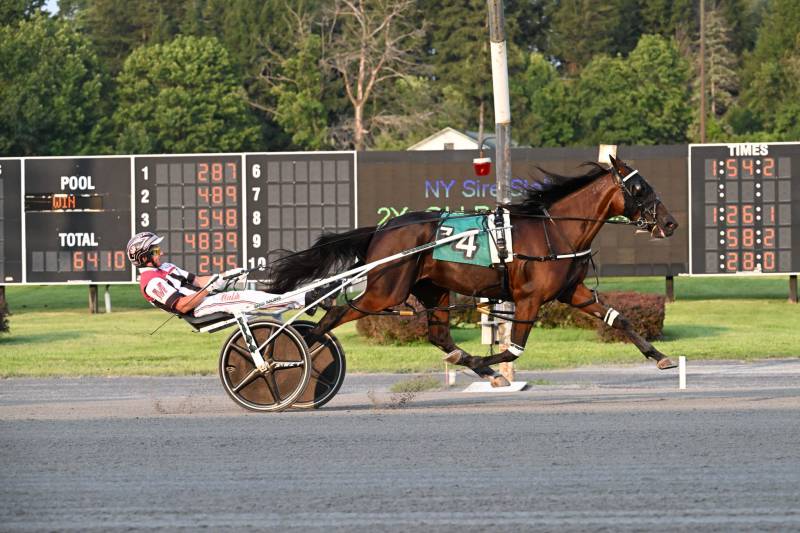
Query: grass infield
point(52, 333)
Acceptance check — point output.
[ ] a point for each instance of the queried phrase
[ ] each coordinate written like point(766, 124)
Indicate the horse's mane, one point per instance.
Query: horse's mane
point(552, 187)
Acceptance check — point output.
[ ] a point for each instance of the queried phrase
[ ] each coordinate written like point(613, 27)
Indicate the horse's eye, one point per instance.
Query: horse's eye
point(637, 189)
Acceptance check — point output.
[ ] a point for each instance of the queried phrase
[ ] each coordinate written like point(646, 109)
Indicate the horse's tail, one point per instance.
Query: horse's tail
point(331, 251)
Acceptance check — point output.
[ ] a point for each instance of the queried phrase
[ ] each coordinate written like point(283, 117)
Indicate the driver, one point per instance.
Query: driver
point(175, 290)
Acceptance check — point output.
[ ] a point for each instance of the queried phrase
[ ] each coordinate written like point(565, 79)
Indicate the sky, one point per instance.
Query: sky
point(51, 6)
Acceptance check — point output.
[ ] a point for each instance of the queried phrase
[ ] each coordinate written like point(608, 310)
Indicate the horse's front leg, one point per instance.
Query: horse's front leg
point(584, 299)
point(525, 312)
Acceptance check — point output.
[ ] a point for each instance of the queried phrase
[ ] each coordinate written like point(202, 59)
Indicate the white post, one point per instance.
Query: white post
point(502, 119)
point(108, 300)
point(682, 372)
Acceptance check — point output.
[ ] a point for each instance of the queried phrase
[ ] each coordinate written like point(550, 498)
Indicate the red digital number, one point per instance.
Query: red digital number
point(769, 167)
point(120, 262)
point(747, 215)
point(78, 262)
point(203, 262)
point(203, 219)
point(769, 261)
point(203, 241)
point(218, 262)
point(230, 218)
point(731, 213)
point(232, 238)
point(769, 238)
point(748, 237)
point(231, 261)
point(748, 261)
point(732, 167)
point(217, 216)
point(732, 238)
point(231, 193)
point(93, 258)
point(732, 261)
point(216, 195)
point(771, 214)
point(219, 241)
point(748, 170)
point(202, 192)
point(202, 172)
point(216, 172)
point(190, 239)
point(233, 170)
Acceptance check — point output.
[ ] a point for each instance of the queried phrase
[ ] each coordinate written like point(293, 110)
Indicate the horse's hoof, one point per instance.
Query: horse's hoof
point(456, 357)
point(665, 364)
point(499, 381)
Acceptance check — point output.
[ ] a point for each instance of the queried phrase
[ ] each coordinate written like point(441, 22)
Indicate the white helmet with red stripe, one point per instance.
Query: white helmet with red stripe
point(140, 246)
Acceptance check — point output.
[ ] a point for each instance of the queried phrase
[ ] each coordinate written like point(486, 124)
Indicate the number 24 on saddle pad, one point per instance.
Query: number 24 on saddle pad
point(477, 248)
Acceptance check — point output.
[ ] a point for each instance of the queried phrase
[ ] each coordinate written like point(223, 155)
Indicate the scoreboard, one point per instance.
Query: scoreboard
point(195, 203)
point(745, 201)
point(68, 219)
point(77, 219)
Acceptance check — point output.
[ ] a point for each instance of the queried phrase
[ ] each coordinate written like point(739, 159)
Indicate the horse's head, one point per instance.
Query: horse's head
point(638, 201)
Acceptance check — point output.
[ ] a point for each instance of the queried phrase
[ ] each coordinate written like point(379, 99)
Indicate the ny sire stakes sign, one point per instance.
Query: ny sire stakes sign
point(67, 219)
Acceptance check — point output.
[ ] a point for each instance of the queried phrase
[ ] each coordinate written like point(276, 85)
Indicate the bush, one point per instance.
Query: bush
point(465, 315)
point(645, 312)
point(392, 329)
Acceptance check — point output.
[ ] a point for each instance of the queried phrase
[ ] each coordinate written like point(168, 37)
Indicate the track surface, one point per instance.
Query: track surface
point(609, 449)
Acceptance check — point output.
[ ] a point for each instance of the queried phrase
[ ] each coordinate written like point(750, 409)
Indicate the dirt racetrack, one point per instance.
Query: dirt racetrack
point(612, 449)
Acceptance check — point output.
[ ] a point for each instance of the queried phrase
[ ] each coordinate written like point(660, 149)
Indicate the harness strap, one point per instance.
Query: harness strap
point(552, 257)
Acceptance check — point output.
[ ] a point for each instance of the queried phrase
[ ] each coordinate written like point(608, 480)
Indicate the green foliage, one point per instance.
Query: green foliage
point(182, 96)
point(639, 100)
point(116, 28)
point(50, 89)
point(300, 97)
point(771, 76)
point(545, 105)
point(12, 11)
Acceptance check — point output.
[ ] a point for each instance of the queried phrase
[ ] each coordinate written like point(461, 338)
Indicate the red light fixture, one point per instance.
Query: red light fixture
point(482, 166)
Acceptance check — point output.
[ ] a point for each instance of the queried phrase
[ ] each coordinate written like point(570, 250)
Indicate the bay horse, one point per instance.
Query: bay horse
point(552, 231)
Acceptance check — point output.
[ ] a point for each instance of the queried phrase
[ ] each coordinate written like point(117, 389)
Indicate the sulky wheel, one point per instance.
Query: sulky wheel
point(327, 368)
point(277, 388)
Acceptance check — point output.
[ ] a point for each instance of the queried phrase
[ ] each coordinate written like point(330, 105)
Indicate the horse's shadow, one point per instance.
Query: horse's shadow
point(692, 332)
point(12, 339)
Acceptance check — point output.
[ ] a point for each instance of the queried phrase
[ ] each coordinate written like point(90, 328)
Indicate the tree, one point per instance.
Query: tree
point(369, 44)
point(769, 77)
point(116, 28)
point(12, 11)
point(543, 103)
point(580, 29)
point(50, 89)
point(639, 100)
point(298, 89)
point(182, 96)
point(722, 80)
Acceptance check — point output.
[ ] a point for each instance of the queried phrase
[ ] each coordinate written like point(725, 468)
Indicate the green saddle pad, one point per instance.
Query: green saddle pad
point(471, 249)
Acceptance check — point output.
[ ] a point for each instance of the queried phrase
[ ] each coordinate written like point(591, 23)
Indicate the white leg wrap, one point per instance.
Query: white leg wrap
point(515, 349)
point(611, 315)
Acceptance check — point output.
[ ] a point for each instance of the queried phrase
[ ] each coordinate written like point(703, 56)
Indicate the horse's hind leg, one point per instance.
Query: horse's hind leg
point(584, 299)
point(432, 296)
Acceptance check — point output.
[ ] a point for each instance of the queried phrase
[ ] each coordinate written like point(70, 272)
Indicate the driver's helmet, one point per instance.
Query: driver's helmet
point(140, 246)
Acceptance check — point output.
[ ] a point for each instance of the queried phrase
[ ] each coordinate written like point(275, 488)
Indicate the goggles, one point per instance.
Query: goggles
point(156, 250)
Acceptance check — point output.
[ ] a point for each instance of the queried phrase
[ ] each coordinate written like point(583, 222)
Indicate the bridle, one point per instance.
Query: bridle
point(644, 208)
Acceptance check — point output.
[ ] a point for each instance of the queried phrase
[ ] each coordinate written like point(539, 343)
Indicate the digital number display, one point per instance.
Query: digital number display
point(77, 219)
point(292, 199)
point(195, 203)
point(743, 208)
point(10, 221)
